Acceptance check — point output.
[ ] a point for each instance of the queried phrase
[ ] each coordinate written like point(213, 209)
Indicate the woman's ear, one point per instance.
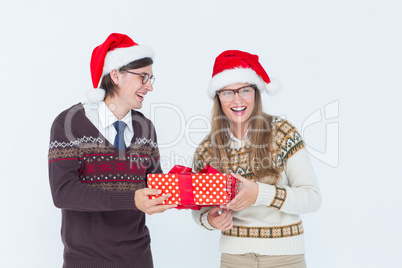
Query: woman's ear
point(115, 76)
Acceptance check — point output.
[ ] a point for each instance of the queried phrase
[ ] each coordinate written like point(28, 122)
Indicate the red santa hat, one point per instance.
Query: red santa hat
point(117, 50)
point(234, 66)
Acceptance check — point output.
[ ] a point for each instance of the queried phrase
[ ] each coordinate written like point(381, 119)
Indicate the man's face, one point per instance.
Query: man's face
point(131, 91)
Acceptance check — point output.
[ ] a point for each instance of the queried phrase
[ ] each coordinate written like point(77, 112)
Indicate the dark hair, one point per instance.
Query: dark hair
point(110, 87)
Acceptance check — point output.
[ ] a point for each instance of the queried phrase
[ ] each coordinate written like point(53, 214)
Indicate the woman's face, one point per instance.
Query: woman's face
point(238, 110)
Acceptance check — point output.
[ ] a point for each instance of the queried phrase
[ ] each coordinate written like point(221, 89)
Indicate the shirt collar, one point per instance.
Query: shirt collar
point(236, 139)
point(107, 118)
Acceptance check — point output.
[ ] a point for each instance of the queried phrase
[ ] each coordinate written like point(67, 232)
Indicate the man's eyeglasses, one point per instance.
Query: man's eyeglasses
point(145, 77)
point(246, 92)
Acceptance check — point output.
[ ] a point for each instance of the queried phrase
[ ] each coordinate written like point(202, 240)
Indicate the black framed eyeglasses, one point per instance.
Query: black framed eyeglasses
point(145, 77)
point(245, 92)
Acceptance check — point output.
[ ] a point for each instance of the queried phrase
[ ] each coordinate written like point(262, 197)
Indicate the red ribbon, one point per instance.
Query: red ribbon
point(186, 185)
point(186, 189)
point(183, 169)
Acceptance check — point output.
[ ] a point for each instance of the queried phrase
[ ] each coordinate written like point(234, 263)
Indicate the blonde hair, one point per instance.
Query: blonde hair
point(260, 136)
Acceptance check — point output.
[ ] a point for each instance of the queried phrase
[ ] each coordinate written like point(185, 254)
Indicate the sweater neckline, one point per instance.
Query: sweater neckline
point(111, 145)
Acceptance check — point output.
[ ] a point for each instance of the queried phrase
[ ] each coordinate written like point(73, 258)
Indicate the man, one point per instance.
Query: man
point(100, 154)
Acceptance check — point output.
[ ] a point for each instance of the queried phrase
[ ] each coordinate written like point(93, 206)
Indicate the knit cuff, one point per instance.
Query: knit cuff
point(123, 200)
point(266, 194)
point(204, 221)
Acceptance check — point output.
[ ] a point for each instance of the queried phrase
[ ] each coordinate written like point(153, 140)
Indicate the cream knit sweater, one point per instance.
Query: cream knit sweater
point(271, 226)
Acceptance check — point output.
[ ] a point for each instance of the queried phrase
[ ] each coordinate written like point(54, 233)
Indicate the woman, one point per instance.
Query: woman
point(261, 226)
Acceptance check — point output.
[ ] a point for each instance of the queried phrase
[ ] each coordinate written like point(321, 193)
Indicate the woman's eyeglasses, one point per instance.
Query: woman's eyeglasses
point(246, 92)
point(145, 77)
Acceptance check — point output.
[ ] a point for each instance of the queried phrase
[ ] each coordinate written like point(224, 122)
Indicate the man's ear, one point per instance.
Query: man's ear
point(115, 77)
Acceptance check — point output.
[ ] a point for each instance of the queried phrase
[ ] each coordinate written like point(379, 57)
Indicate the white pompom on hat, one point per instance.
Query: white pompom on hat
point(117, 50)
point(235, 66)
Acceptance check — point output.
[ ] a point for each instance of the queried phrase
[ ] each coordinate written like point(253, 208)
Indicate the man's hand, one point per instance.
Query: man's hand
point(150, 206)
point(222, 221)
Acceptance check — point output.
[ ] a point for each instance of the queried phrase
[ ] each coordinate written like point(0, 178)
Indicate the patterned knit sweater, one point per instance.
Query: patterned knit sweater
point(271, 226)
point(94, 183)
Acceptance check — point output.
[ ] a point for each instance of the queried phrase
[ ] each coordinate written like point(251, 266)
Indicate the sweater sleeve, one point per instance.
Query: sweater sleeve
point(297, 192)
point(201, 218)
point(67, 191)
point(300, 195)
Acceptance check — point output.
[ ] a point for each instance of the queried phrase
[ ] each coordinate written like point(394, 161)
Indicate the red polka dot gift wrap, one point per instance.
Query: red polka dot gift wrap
point(194, 190)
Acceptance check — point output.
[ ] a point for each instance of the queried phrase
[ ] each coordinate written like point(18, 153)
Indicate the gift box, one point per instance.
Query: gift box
point(194, 190)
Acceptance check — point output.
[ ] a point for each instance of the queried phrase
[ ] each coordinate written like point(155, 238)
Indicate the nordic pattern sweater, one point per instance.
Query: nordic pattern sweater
point(271, 226)
point(94, 183)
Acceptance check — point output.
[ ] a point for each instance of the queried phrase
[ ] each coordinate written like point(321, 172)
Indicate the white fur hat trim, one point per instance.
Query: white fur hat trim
point(241, 75)
point(96, 94)
point(122, 56)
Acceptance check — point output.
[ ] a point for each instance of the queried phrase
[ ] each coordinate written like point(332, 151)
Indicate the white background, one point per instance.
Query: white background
point(347, 53)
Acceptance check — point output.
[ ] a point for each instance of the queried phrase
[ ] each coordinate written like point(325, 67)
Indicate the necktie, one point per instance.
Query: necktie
point(119, 140)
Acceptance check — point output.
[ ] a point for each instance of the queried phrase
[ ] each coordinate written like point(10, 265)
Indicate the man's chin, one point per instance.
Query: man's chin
point(136, 106)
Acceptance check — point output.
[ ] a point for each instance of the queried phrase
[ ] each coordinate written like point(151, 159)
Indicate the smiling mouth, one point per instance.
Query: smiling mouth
point(238, 110)
point(141, 96)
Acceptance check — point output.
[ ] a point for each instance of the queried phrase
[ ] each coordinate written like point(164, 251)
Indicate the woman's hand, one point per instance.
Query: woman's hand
point(245, 197)
point(220, 220)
